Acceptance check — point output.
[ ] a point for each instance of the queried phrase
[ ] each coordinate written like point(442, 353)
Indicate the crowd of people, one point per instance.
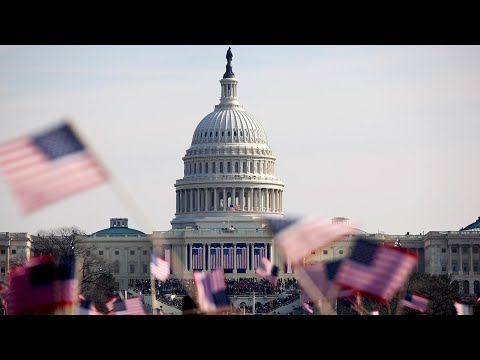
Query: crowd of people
point(239, 286)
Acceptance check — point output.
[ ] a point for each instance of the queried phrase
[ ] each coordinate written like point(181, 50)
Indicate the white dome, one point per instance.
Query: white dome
point(229, 126)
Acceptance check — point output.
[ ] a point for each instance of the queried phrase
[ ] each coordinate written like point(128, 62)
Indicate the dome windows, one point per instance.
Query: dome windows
point(228, 133)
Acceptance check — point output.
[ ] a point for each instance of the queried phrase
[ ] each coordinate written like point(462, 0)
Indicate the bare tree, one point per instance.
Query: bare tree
point(97, 282)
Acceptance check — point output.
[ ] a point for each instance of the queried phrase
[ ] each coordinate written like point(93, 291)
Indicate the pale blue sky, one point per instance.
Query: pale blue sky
point(385, 135)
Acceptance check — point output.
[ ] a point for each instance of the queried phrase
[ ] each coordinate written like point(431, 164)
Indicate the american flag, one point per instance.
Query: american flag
point(415, 302)
point(132, 306)
point(234, 207)
point(322, 275)
point(241, 257)
point(110, 303)
point(86, 307)
point(228, 256)
point(66, 285)
point(297, 238)
point(197, 257)
point(46, 167)
point(159, 268)
point(462, 309)
point(215, 256)
point(211, 291)
point(268, 271)
point(42, 286)
point(3, 295)
point(376, 270)
point(258, 254)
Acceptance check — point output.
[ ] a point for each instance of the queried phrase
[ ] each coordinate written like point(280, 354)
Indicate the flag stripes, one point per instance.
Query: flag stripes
point(44, 168)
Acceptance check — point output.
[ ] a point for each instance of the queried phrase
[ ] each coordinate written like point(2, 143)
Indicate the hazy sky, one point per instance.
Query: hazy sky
point(385, 135)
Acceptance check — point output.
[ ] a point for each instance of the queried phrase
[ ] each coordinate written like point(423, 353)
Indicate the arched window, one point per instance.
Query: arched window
point(476, 288)
point(195, 168)
point(229, 167)
point(200, 168)
point(244, 167)
point(213, 167)
point(236, 167)
point(190, 171)
point(252, 167)
point(206, 168)
point(221, 167)
point(455, 285)
point(228, 133)
point(116, 267)
point(466, 287)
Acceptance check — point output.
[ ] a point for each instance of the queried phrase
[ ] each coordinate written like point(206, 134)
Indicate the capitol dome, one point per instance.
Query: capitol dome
point(229, 169)
point(229, 125)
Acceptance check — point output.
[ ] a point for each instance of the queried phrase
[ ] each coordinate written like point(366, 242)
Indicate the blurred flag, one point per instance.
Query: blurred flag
point(375, 312)
point(42, 286)
point(211, 291)
point(110, 303)
point(307, 308)
point(297, 238)
point(84, 306)
point(49, 166)
point(462, 309)
point(132, 306)
point(268, 271)
point(323, 276)
point(415, 302)
point(159, 268)
point(3, 296)
point(376, 270)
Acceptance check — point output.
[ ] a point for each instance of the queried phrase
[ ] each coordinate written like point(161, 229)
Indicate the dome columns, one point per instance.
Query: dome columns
point(248, 198)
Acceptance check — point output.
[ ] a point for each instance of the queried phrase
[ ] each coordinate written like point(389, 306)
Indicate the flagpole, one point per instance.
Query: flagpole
point(314, 292)
point(153, 294)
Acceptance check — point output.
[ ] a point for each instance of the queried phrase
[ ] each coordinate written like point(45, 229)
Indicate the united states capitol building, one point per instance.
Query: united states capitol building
point(229, 186)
